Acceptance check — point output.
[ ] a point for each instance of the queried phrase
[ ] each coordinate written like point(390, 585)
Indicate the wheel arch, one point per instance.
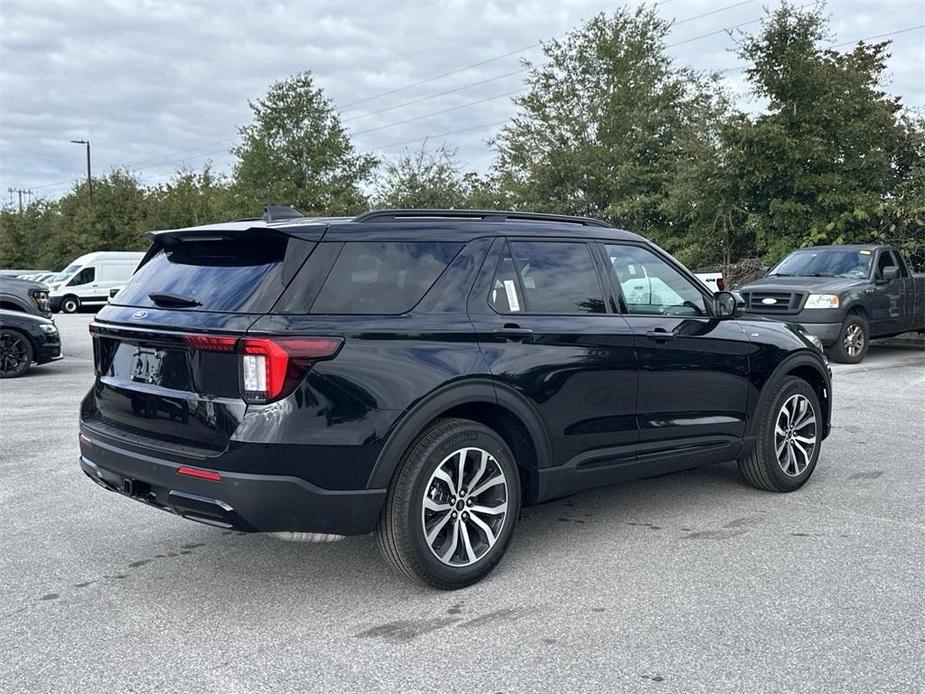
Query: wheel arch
point(494, 405)
point(805, 366)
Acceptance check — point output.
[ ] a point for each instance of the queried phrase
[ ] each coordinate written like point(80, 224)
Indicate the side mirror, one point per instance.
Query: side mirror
point(890, 272)
point(725, 304)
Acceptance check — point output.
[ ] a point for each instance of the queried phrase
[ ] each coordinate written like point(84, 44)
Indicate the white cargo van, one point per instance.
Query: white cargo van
point(87, 280)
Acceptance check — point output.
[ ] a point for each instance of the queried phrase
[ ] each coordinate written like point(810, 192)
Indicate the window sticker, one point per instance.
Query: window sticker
point(511, 290)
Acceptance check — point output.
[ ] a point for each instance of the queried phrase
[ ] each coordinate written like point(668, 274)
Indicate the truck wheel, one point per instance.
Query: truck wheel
point(787, 444)
point(70, 304)
point(452, 505)
point(15, 354)
point(853, 340)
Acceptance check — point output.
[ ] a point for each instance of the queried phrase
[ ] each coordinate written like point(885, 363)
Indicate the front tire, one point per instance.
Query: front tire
point(70, 304)
point(853, 340)
point(16, 354)
point(452, 506)
point(788, 441)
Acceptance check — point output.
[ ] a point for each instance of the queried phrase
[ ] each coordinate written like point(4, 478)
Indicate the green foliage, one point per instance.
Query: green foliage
point(422, 178)
point(608, 126)
point(296, 152)
point(832, 148)
point(599, 125)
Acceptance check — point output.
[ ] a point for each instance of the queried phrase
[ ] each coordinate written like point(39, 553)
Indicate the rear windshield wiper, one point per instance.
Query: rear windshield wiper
point(174, 300)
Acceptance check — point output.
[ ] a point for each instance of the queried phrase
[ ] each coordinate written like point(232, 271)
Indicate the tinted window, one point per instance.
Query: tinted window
point(222, 275)
point(85, 276)
point(651, 286)
point(547, 277)
point(382, 277)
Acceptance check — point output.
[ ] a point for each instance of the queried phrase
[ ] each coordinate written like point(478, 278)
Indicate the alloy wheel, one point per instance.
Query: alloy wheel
point(854, 340)
point(13, 354)
point(795, 435)
point(465, 507)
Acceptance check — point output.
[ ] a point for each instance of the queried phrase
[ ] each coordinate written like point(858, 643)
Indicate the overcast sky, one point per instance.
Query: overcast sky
point(156, 84)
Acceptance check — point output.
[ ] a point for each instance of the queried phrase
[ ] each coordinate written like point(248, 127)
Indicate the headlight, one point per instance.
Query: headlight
point(48, 328)
point(822, 301)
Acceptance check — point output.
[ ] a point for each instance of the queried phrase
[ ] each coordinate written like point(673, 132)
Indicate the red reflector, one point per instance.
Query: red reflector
point(201, 474)
point(720, 283)
point(83, 438)
point(211, 343)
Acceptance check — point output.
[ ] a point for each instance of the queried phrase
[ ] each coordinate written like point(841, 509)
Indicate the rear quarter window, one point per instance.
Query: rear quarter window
point(387, 277)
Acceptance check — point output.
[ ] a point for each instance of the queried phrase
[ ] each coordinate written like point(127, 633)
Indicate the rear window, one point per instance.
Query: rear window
point(226, 275)
point(382, 277)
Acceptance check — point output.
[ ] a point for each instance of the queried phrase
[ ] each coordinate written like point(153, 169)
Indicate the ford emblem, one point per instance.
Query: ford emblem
point(769, 301)
point(140, 314)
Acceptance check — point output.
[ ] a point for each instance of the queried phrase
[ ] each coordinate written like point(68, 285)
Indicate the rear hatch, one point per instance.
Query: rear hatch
point(168, 350)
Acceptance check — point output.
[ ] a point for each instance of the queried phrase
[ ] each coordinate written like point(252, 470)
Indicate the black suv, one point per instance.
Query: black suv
point(422, 374)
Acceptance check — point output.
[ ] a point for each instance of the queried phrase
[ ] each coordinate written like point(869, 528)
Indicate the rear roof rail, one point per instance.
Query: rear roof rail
point(475, 216)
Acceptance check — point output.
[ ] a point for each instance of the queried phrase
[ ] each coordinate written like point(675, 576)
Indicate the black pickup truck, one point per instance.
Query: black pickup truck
point(844, 295)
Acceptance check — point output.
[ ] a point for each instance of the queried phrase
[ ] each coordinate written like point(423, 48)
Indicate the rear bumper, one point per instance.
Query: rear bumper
point(247, 502)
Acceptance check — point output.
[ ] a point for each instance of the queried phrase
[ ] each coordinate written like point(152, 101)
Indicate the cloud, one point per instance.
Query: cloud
point(159, 84)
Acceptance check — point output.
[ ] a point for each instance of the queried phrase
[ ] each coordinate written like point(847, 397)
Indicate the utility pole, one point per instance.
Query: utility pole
point(20, 192)
point(89, 177)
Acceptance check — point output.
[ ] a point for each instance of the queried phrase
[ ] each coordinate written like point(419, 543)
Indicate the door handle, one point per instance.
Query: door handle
point(660, 335)
point(513, 332)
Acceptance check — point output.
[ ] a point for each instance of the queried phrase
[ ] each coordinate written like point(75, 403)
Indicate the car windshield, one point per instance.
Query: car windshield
point(65, 273)
point(850, 263)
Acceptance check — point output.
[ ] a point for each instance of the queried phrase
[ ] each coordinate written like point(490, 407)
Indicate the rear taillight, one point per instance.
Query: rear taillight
point(270, 367)
point(720, 283)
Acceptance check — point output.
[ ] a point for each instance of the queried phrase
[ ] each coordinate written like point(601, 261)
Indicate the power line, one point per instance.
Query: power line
point(518, 52)
point(840, 45)
point(437, 113)
point(196, 151)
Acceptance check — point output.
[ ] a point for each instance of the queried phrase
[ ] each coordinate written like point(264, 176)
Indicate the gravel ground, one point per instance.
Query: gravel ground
point(687, 583)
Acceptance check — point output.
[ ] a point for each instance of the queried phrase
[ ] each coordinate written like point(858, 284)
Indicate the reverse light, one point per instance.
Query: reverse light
point(822, 301)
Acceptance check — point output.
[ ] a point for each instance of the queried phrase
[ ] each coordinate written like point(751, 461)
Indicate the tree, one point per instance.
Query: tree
point(832, 147)
point(598, 126)
point(296, 152)
point(188, 199)
point(116, 219)
point(422, 179)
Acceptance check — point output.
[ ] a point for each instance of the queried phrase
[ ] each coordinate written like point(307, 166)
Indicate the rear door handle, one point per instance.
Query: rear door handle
point(660, 335)
point(513, 332)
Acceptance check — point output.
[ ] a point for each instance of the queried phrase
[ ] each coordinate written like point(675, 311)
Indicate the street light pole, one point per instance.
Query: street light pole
point(89, 177)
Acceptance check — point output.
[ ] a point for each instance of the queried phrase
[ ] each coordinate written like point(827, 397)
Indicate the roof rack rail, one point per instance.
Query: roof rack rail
point(476, 216)
point(276, 213)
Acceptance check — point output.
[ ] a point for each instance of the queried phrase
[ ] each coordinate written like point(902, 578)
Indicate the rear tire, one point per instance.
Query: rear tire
point(70, 304)
point(438, 531)
point(16, 354)
point(853, 340)
point(788, 438)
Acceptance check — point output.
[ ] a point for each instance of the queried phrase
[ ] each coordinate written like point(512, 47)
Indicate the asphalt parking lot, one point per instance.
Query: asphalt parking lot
point(692, 582)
